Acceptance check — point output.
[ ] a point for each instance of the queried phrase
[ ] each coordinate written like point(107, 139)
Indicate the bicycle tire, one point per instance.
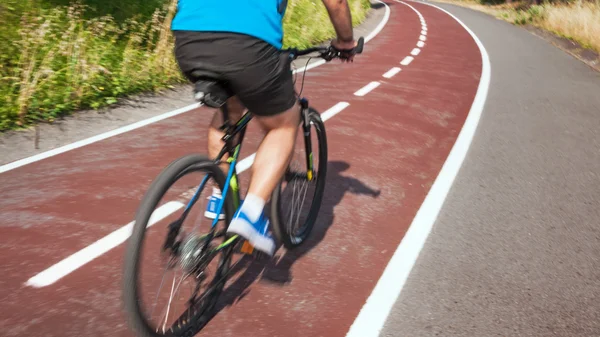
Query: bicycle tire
point(172, 173)
point(291, 240)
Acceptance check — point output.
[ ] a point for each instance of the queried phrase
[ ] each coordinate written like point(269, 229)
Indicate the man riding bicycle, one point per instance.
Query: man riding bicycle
point(241, 41)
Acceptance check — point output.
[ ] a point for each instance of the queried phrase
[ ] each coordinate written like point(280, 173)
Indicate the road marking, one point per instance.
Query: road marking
point(334, 110)
point(415, 51)
point(112, 240)
point(420, 44)
point(376, 309)
point(392, 72)
point(139, 124)
point(424, 28)
point(367, 88)
point(87, 141)
point(377, 30)
point(89, 253)
point(423, 32)
point(407, 60)
point(423, 38)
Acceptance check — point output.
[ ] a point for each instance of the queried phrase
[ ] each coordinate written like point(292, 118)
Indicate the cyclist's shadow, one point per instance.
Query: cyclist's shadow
point(278, 269)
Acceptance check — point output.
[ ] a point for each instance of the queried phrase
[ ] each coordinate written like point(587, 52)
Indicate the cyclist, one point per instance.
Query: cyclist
point(241, 40)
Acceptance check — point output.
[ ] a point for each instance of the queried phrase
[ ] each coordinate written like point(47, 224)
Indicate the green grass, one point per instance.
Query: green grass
point(59, 57)
point(577, 20)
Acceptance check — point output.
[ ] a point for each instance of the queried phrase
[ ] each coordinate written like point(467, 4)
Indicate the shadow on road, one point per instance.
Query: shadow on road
point(278, 269)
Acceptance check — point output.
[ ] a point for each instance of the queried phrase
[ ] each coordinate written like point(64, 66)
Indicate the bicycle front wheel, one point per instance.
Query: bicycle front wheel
point(174, 239)
point(296, 201)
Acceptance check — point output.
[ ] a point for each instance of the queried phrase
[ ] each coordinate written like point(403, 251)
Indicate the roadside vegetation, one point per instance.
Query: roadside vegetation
point(577, 20)
point(59, 56)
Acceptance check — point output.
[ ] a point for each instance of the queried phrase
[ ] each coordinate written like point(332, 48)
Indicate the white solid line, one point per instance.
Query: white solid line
point(415, 51)
point(136, 125)
point(87, 141)
point(334, 110)
point(367, 89)
point(374, 313)
point(423, 32)
point(392, 72)
point(420, 44)
point(423, 38)
point(424, 27)
point(89, 253)
point(382, 24)
point(407, 60)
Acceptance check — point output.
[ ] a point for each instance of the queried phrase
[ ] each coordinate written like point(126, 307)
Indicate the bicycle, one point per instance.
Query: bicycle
point(194, 252)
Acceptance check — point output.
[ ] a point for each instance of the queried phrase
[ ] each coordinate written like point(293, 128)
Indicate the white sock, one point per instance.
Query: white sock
point(253, 207)
point(216, 192)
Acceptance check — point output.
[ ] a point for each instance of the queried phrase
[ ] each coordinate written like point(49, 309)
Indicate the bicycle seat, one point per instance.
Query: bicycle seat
point(210, 88)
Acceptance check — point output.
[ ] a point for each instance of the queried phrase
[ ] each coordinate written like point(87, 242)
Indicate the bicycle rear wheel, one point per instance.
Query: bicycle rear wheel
point(293, 213)
point(179, 249)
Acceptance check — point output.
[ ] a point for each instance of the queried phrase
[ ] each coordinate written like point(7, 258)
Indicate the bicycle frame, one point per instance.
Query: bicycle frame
point(239, 128)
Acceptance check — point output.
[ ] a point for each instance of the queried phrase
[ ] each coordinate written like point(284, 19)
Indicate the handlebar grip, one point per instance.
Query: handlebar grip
point(359, 45)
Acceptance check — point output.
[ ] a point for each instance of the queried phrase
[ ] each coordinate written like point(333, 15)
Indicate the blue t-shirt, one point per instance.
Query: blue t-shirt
point(258, 18)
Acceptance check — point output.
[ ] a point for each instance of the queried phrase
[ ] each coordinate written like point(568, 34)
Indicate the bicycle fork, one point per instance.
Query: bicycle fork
point(307, 140)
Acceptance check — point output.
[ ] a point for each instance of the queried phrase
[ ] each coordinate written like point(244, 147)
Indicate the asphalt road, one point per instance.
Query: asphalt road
point(515, 250)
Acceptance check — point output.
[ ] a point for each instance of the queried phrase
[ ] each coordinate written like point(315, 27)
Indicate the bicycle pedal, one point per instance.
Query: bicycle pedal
point(247, 248)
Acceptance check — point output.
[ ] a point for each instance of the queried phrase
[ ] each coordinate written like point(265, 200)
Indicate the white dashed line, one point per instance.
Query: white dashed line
point(407, 60)
point(420, 44)
point(367, 89)
point(392, 72)
point(89, 253)
point(423, 32)
point(423, 38)
point(415, 51)
point(334, 110)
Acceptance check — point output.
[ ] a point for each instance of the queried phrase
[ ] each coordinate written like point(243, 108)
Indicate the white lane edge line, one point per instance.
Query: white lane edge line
point(392, 72)
point(376, 309)
point(415, 51)
point(386, 18)
point(367, 89)
point(91, 252)
point(420, 44)
point(93, 139)
point(96, 138)
point(423, 38)
point(75, 261)
point(423, 32)
point(407, 60)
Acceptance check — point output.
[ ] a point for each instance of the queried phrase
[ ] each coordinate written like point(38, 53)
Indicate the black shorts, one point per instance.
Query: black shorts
point(258, 73)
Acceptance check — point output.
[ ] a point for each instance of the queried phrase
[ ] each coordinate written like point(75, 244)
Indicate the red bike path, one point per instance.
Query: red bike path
point(385, 150)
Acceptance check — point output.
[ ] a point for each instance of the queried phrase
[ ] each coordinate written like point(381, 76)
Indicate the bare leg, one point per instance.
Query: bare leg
point(270, 163)
point(274, 152)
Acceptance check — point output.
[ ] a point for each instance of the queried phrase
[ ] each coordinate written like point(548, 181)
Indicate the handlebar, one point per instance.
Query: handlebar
point(328, 53)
